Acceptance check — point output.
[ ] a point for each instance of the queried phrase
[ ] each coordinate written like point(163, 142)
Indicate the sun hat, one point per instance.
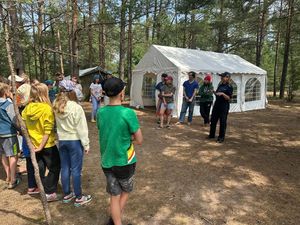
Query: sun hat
point(18, 78)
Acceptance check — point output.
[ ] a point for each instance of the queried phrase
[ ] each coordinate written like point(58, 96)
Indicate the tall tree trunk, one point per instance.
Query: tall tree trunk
point(122, 40)
point(54, 63)
point(22, 124)
point(75, 69)
point(260, 36)
point(17, 49)
point(102, 32)
point(90, 33)
point(147, 29)
point(34, 42)
point(154, 20)
point(192, 43)
point(276, 51)
point(292, 79)
point(221, 28)
point(40, 39)
point(185, 30)
point(70, 35)
point(61, 57)
point(129, 47)
point(287, 47)
point(158, 22)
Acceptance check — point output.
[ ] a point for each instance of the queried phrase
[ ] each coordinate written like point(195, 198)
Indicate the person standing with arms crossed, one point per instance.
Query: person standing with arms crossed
point(221, 107)
point(206, 92)
point(190, 88)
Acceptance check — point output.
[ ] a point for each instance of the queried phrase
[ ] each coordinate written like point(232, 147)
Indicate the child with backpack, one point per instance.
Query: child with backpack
point(9, 145)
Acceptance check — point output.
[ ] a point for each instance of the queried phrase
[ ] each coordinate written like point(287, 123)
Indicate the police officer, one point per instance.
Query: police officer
point(221, 107)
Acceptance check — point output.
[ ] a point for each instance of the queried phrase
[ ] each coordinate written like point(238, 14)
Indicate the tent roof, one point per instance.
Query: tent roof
point(91, 70)
point(201, 61)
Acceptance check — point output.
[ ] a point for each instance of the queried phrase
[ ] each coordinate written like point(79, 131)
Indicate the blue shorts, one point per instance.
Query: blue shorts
point(169, 106)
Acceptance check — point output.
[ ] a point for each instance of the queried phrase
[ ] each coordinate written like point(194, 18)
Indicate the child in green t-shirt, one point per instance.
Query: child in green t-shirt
point(118, 129)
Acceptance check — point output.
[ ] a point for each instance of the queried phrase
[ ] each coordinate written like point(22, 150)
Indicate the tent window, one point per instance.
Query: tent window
point(197, 97)
point(149, 86)
point(234, 94)
point(252, 90)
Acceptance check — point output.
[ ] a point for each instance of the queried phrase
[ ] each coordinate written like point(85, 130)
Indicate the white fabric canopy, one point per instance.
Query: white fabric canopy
point(177, 62)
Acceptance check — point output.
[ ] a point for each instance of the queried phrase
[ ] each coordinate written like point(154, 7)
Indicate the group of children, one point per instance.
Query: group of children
point(59, 134)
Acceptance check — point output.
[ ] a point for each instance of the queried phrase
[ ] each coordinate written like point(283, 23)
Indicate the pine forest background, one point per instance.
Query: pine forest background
point(51, 36)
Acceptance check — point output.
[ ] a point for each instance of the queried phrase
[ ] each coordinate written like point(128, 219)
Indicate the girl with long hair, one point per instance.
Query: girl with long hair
point(39, 119)
point(73, 138)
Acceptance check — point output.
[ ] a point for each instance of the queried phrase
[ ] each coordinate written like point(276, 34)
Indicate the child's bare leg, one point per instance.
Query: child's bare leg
point(169, 117)
point(13, 160)
point(162, 112)
point(115, 209)
point(5, 164)
point(123, 200)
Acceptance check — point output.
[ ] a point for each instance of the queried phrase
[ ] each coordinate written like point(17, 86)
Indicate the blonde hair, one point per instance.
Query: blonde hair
point(39, 93)
point(60, 103)
point(4, 88)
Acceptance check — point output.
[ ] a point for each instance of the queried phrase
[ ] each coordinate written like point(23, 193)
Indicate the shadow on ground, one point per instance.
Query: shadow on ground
point(183, 178)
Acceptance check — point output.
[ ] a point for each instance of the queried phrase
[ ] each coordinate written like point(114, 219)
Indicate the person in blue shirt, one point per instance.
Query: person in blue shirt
point(190, 88)
point(221, 107)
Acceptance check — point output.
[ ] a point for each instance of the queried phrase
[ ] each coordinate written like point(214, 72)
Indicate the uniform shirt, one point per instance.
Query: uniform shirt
point(159, 86)
point(190, 87)
point(168, 89)
point(226, 89)
point(116, 124)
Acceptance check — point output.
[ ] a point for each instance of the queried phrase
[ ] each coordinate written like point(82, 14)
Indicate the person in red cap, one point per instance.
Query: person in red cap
point(206, 98)
point(167, 105)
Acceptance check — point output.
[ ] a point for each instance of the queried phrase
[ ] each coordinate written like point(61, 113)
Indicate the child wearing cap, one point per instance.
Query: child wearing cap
point(206, 98)
point(96, 93)
point(9, 146)
point(167, 105)
point(118, 129)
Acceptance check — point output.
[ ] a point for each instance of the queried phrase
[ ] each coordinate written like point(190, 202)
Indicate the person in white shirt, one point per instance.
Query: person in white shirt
point(96, 93)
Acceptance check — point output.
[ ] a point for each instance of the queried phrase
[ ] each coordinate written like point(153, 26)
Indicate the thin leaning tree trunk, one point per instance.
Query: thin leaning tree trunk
point(24, 130)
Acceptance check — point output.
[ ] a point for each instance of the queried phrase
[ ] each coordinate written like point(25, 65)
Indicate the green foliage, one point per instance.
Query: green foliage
point(180, 23)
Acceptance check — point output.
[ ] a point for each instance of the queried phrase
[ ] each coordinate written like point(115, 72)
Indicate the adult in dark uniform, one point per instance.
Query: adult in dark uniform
point(221, 107)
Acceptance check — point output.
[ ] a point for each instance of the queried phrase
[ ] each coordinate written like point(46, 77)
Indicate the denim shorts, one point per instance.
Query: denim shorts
point(169, 106)
point(119, 179)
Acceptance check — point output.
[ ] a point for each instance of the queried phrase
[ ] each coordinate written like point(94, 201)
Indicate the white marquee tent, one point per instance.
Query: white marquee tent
point(248, 80)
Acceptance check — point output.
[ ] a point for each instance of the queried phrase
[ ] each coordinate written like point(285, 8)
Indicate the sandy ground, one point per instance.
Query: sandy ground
point(183, 178)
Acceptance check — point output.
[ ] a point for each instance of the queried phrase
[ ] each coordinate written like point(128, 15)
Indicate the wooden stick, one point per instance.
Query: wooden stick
point(23, 127)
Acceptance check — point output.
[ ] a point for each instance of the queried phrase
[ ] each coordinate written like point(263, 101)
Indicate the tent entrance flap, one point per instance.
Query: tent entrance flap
point(148, 89)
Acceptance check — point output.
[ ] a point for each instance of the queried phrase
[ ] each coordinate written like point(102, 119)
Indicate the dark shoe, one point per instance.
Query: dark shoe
point(110, 221)
point(220, 140)
point(210, 137)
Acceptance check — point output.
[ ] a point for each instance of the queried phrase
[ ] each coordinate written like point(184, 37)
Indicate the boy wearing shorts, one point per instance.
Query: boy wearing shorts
point(168, 92)
point(118, 129)
point(9, 145)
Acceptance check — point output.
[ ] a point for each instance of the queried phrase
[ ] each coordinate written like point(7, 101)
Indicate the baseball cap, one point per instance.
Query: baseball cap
point(18, 78)
point(113, 86)
point(169, 78)
point(49, 82)
point(225, 74)
point(208, 77)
